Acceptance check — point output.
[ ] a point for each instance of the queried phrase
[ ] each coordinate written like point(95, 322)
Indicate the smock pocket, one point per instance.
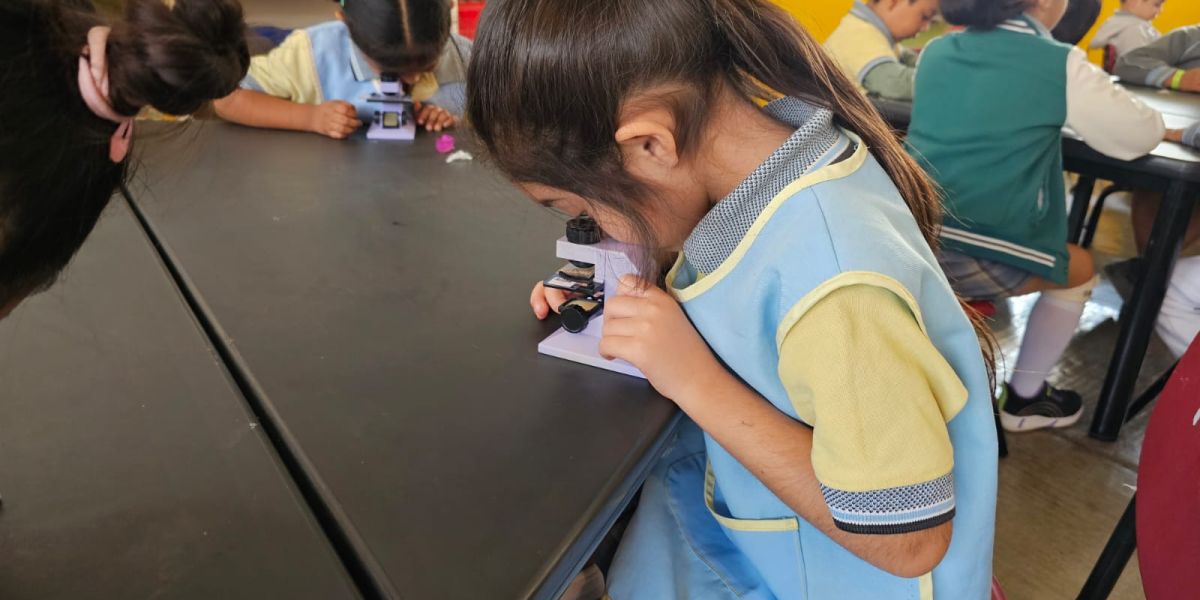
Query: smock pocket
point(834, 572)
point(772, 546)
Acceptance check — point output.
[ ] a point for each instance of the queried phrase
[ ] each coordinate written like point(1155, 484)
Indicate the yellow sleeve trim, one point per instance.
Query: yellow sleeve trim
point(836, 170)
point(710, 486)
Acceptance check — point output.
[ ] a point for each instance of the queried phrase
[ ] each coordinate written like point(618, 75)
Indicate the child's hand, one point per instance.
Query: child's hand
point(1190, 81)
point(434, 118)
point(1189, 136)
point(647, 328)
point(335, 119)
point(545, 299)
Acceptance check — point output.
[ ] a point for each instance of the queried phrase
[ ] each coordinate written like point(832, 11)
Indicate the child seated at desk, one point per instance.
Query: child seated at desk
point(73, 83)
point(1172, 62)
point(1129, 28)
point(319, 78)
point(865, 44)
point(987, 123)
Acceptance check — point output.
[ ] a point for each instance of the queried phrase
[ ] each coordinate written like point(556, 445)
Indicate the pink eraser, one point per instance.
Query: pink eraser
point(445, 144)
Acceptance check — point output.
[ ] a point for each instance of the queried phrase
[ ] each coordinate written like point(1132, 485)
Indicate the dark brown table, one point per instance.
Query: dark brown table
point(130, 466)
point(373, 300)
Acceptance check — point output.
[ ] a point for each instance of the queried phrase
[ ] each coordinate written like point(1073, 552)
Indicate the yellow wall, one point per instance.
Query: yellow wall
point(821, 16)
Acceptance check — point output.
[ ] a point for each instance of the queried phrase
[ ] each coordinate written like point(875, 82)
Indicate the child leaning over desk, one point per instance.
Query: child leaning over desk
point(840, 440)
point(865, 44)
point(319, 78)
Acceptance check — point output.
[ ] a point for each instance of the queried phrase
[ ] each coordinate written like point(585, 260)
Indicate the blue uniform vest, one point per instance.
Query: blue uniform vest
point(710, 528)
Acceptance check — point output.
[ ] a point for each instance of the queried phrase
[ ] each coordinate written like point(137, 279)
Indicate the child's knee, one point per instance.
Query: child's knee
point(1081, 266)
point(1076, 294)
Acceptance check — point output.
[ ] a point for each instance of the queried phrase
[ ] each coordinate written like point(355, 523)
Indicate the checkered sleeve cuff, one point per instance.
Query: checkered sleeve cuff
point(893, 510)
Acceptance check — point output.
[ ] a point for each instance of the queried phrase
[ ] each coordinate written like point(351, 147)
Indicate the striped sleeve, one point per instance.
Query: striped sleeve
point(860, 370)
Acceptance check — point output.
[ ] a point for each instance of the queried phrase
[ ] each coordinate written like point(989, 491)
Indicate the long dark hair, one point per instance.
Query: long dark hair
point(548, 78)
point(55, 173)
point(982, 14)
point(400, 35)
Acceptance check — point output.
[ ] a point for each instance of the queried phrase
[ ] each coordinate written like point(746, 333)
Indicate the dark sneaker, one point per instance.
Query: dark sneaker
point(1053, 408)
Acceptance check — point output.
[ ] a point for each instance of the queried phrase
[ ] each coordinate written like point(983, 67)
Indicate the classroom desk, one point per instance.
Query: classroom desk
point(375, 299)
point(1172, 169)
point(130, 466)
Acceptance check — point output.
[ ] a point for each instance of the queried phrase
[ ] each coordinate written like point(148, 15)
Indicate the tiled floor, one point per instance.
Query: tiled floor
point(1061, 492)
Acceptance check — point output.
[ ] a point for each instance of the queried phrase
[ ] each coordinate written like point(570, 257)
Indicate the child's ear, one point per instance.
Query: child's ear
point(647, 141)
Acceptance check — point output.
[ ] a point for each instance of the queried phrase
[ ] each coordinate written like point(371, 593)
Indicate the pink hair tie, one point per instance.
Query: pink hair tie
point(93, 87)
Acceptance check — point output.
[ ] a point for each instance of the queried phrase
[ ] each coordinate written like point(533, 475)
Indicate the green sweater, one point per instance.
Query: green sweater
point(987, 124)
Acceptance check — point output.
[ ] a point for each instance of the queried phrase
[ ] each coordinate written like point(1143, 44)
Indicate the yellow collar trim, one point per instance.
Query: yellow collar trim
point(837, 170)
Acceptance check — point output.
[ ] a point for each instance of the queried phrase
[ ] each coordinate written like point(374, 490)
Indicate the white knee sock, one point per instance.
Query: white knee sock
point(1051, 326)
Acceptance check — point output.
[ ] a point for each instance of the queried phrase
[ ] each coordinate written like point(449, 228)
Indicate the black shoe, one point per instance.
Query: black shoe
point(1052, 408)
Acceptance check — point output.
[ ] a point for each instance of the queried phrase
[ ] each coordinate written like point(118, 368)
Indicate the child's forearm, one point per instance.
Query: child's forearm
point(778, 450)
point(891, 80)
point(256, 109)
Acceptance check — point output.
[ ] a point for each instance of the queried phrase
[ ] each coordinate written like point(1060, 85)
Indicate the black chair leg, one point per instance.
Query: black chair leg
point(1150, 394)
point(1093, 220)
point(1113, 559)
point(1001, 440)
point(1081, 200)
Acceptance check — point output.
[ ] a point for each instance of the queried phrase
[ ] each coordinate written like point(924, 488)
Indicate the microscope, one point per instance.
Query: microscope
point(394, 120)
point(594, 263)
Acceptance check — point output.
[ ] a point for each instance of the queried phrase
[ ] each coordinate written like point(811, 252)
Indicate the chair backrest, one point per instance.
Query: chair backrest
point(1110, 58)
point(1168, 495)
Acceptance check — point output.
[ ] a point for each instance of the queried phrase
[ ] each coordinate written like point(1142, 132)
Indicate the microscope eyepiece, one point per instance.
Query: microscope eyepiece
point(583, 230)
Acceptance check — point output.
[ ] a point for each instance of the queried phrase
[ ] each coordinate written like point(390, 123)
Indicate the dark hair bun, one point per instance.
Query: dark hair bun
point(175, 58)
point(982, 14)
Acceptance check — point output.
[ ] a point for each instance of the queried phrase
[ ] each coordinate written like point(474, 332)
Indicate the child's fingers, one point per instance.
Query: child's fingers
point(624, 327)
point(621, 307)
point(616, 346)
point(555, 297)
point(537, 301)
point(423, 114)
point(344, 108)
point(350, 123)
